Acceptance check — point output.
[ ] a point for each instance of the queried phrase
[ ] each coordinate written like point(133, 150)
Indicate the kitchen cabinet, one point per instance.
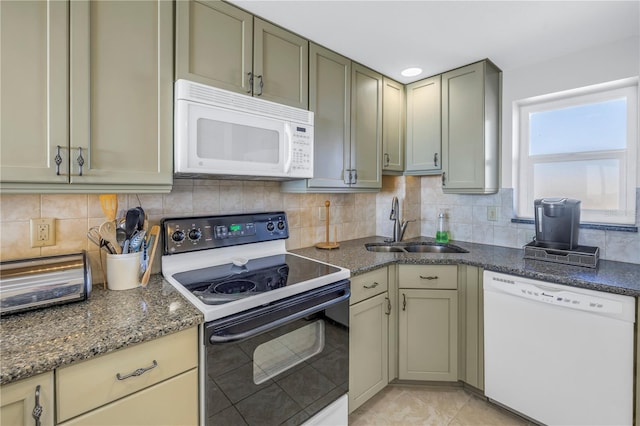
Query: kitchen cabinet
point(74, 119)
point(471, 322)
point(392, 126)
point(428, 323)
point(369, 312)
point(346, 99)
point(149, 383)
point(18, 401)
point(471, 129)
point(223, 46)
point(424, 127)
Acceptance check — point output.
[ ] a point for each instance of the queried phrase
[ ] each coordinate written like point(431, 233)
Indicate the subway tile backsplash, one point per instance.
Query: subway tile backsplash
point(351, 215)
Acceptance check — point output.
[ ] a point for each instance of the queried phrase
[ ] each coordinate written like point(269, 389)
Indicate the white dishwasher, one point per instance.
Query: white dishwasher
point(559, 355)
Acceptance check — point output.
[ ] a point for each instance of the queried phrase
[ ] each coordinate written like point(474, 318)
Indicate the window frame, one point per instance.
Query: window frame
point(524, 163)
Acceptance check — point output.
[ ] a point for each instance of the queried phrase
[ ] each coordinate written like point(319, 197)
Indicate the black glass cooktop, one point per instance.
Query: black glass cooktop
point(225, 283)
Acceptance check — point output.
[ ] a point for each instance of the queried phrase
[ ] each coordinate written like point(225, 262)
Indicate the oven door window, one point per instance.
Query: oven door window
point(285, 352)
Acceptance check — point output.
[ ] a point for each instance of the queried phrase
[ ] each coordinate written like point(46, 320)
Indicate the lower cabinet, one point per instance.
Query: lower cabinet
point(428, 323)
point(368, 336)
point(18, 401)
point(471, 321)
point(132, 385)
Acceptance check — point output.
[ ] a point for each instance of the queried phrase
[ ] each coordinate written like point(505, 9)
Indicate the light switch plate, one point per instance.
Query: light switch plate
point(492, 213)
point(43, 232)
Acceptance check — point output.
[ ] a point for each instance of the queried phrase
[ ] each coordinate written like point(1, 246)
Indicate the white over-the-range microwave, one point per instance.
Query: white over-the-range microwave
point(222, 134)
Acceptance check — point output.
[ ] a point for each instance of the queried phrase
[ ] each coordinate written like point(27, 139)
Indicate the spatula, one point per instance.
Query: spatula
point(109, 204)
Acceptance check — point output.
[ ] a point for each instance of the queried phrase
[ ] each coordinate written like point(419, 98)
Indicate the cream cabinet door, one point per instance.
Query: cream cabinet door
point(393, 125)
point(18, 400)
point(368, 348)
point(172, 402)
point(366, 128)
point(423, 127)
point(280, 65)
point(471, 321)
point(34, 91)
point(470, 129)
point(428, 335)
point(121, 92)
point(214, 43)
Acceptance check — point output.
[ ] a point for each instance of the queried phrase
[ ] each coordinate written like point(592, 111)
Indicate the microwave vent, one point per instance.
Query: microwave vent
point(224, 98)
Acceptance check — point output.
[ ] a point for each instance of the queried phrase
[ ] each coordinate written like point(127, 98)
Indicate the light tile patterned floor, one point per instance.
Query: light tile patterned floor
point(431, 405)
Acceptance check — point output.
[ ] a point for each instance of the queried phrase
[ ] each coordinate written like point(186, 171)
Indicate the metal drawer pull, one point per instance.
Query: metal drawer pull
point(80, 161)
point(138, 372)
point(374, 285)
point(404, 302)
point(388, 312)
point(58, 160)
point(261, 85)
point(250, 81)
point(435, 159)
point(37, 410)
point(429, 277)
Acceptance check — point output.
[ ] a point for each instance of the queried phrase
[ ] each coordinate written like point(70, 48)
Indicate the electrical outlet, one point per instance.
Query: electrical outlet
point(492, 213)
point(43, 232)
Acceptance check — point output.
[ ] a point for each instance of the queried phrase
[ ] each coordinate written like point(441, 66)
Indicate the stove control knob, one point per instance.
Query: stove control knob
point(270, 226)
point(195, 234)
point(281, 225)
point(178, 236)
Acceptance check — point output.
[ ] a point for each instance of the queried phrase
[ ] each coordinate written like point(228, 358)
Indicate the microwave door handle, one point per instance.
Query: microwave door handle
point(288, 148)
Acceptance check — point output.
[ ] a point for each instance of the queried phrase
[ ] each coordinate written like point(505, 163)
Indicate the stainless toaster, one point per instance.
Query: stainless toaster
point(39, 282)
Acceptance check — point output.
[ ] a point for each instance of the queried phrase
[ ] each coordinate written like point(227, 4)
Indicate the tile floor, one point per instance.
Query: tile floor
point(401, 404)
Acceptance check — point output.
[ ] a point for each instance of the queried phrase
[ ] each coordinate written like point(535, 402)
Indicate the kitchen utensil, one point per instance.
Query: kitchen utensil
point(131, 221)
point(136, 240)
point(108, 233)
point(109, 204)
point(94, 236)
point(154, 236)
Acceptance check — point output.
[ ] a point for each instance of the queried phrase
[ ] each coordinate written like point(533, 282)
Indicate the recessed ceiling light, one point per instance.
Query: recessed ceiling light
point(411, 72)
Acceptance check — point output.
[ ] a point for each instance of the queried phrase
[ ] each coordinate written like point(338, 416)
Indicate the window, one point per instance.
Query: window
point(580, 144)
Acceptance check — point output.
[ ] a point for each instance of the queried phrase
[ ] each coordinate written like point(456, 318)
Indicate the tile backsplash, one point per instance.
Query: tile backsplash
point(351, 215)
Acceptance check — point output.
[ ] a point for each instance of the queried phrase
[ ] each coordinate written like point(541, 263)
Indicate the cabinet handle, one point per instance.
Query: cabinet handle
point(435, 159)
point(404, 302)
point(430, 277)
point(37, 409)
point(355, 176)
point(374, 285)
point(80, 161)
point(250, 81)
point(138, 372)
point(388, 312)
point(58, 159)
point(386, 159)
point(444, 178)
point(261, 85)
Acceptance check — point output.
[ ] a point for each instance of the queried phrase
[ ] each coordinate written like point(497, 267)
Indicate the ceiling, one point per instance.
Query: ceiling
point(437, 36)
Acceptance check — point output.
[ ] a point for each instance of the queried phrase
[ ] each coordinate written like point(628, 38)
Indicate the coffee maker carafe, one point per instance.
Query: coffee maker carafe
point(557, 222)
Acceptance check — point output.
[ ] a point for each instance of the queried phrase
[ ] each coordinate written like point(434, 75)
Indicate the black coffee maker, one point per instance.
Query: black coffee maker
point(557, 223)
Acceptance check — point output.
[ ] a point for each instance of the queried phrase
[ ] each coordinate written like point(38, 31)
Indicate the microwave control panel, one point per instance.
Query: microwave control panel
point(301, 151)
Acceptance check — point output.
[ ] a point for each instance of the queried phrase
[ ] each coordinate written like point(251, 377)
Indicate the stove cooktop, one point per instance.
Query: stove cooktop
point(225, 283)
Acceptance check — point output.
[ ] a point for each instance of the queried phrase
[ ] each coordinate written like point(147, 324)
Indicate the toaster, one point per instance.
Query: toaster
point(34, 283)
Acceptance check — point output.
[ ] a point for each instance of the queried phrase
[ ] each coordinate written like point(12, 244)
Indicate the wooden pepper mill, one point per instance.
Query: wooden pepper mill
point(327, 244)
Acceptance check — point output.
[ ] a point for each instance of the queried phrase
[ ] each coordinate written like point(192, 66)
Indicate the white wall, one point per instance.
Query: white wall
point(599, 64)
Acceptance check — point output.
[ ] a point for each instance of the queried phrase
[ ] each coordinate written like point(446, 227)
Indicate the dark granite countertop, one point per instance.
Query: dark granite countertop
point(611, 277)
point(39, 341)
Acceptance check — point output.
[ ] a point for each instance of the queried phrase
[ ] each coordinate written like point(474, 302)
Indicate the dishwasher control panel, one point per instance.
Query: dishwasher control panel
point(557, 294)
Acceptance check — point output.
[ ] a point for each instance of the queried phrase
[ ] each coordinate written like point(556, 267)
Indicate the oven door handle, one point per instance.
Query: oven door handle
point(215, 339)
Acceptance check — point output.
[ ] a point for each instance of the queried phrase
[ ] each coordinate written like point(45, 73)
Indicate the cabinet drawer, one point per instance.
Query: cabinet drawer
point(90, 384)
point(368, 285)
point(428, 276)
point(172, 402)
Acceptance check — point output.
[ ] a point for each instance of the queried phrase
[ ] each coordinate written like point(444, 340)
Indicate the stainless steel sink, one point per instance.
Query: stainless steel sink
point(414, 248)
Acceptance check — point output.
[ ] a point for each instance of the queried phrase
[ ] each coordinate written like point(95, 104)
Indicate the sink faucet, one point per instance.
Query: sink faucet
point(399, 226)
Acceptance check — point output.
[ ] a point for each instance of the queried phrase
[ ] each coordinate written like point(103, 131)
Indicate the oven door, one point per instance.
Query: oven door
point(280, 363)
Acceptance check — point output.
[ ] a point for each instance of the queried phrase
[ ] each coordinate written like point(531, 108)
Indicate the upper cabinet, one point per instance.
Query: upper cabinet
point(220, 45)
point(470, 129)
point(392, 126)
point(346, 99)
point(73, 113)
point(423, 127)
